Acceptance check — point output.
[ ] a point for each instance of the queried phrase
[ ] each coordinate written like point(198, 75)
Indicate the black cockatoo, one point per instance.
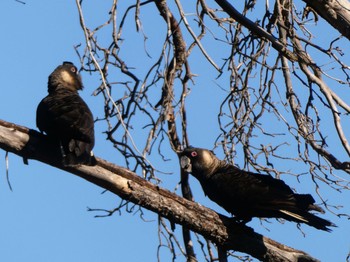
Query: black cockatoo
point(66, 118)
point(246, 194)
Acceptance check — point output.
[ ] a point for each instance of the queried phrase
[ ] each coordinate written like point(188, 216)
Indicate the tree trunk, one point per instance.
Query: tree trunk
point(220, 229)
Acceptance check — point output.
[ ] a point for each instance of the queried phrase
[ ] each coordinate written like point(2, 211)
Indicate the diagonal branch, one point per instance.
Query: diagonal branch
point(220, 229)
point(256, 29)
point(315, 76)
point(336, 13)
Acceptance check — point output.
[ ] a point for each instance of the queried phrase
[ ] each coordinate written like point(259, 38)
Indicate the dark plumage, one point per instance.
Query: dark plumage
point(247, 195)
point(66, 118)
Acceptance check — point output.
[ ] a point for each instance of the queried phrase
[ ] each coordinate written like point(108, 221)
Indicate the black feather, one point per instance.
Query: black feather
point(66, 118)
point(246, 194)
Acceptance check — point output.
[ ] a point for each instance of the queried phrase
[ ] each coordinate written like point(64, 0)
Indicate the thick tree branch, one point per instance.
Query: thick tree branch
point(30, 144)
point(336, 13)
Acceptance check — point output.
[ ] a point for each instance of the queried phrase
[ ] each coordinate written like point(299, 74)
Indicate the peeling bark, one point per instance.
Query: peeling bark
point(220, 229)
point(336, 13)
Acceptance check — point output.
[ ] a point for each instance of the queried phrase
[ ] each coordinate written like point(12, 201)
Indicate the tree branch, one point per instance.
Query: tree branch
point(175, 65)
point(336, 13)
point(220, 229)
point(256, 29)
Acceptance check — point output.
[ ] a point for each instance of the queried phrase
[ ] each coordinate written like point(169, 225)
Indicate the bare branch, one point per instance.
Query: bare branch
point(336, 13)
point(256, 29)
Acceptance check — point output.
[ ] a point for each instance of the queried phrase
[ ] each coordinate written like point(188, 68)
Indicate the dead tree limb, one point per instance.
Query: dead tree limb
point(336, 13)
point(174, 67)
point(220, 229)
point(256, 29)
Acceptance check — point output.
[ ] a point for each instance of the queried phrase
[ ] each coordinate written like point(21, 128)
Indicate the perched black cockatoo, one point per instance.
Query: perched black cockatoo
point(246, 194)
point(66, 118)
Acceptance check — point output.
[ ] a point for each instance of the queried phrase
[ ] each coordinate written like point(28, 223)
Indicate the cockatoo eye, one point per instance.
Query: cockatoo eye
point(194, 154)
point(73, 69)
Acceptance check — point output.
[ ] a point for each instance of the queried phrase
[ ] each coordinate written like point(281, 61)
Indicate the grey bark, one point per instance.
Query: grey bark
point(335, 12)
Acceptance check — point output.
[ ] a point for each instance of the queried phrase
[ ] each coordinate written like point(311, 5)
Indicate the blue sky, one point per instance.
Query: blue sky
point(45, 218)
